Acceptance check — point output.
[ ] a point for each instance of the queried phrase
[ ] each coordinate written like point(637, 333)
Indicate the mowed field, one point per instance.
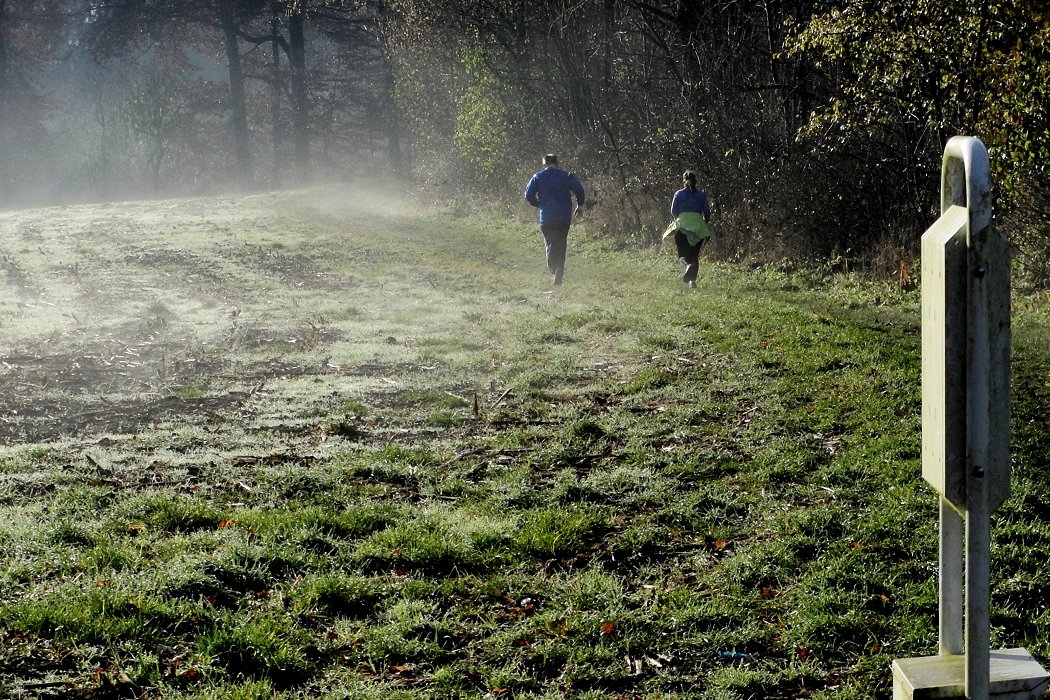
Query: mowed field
point(313, 444)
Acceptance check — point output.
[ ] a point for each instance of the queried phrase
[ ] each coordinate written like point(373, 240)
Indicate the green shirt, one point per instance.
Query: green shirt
point(693, 224)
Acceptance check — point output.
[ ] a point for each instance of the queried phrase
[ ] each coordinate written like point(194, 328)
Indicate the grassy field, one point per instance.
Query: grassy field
point(310, 445)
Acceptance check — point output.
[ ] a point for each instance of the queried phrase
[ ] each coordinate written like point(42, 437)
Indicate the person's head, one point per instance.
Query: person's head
point(550, 159)
point(689, 179)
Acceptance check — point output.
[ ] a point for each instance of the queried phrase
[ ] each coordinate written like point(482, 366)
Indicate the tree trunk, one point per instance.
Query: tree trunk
point(393, 125)
point(609, 29)
point(5, 127)
point(156, 159)
point(300, 106)
point(238, 105)
point(275, 107)
point(3, 60)
point(393, 141)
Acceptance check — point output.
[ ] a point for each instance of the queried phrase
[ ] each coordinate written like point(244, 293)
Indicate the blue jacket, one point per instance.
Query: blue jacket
point(551, 189)
point(686, 199)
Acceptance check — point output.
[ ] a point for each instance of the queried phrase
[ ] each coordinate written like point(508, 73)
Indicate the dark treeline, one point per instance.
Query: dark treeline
point(107, 98)
point(817, 127)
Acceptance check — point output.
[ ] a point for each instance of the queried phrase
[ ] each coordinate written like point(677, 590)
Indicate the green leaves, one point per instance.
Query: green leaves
point(901, 77)
point(484, 123)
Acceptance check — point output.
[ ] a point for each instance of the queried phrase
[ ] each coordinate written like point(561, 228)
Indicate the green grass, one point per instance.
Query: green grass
point(288, 446)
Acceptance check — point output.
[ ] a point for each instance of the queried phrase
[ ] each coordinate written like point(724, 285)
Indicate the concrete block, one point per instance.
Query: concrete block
point(1014, 675)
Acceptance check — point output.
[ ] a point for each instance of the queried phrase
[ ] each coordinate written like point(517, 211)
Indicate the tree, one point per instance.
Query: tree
point(3, 58)
point(291, 14)
point(157, 110)
point(1015, 124)
point(347, 22)
point(898, 78)
point(117, 26)
point(31, 41)
point(635, 91)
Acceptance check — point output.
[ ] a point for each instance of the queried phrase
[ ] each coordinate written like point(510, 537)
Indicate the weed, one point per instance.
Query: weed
point(195, 390)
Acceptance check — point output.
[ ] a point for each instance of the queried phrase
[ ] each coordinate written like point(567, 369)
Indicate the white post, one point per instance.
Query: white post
point(965, 181)
point(966, 433)
point(951, 581)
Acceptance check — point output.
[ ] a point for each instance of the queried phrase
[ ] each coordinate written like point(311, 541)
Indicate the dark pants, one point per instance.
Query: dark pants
point(689, 254)
point(555, 234)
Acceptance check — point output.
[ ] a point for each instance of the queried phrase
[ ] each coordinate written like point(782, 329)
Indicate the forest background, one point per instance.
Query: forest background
point(816, 127)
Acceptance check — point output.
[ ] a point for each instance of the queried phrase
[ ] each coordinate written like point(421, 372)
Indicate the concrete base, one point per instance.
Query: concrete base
point(1015, 675)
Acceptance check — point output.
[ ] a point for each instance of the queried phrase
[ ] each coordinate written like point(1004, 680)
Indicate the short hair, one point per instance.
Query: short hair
point(550, 159)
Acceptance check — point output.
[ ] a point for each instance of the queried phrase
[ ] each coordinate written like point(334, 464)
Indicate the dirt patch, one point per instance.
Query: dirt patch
point(40, 421)
point(130, 388)
point(173, 313)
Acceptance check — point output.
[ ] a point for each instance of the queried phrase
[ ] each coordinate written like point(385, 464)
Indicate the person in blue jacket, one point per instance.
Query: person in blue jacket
point(551, 190)
point(692, 212)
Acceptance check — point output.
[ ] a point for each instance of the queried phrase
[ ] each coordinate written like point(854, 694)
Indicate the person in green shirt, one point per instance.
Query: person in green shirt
point(692, 212)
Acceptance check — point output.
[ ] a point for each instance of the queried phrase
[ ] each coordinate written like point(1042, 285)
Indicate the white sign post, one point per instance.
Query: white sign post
point(965, 433)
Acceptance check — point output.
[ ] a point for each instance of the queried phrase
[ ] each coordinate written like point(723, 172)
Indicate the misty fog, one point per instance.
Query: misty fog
point(816, 134)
